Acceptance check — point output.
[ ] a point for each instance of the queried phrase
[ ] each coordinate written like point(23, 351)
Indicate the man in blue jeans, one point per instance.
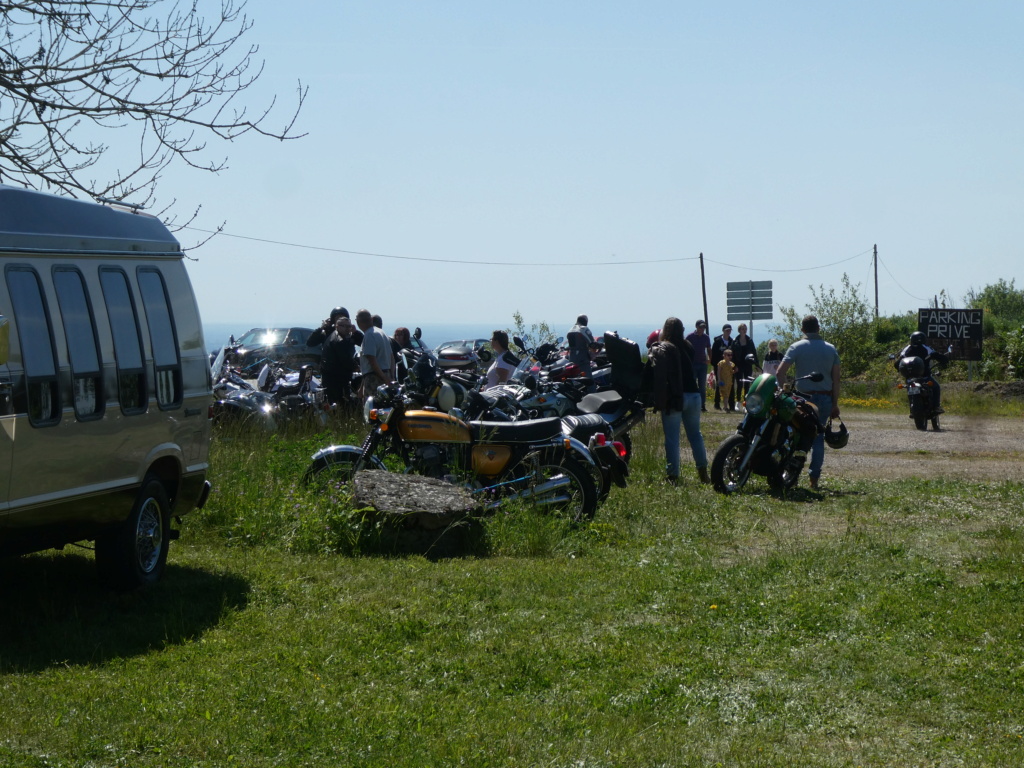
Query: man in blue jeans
point(810, 354)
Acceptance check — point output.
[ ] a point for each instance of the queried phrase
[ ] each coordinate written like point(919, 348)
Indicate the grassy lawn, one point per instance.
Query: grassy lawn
point(876, 624)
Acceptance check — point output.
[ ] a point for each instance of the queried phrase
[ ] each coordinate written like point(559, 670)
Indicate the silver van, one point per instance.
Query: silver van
point(105, 388)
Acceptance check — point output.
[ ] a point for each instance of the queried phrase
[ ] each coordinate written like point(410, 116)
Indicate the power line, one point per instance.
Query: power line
point(508, 263)
point(796, 269)
point(443, 261)
point(900, 286)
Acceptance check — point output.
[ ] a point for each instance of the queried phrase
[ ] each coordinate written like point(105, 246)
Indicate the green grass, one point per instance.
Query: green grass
point(876, 624)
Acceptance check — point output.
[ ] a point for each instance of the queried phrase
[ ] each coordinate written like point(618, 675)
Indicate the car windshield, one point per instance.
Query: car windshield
point(261, 337)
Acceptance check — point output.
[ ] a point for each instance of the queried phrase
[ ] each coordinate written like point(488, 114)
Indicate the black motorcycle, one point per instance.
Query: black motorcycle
point(920, 390)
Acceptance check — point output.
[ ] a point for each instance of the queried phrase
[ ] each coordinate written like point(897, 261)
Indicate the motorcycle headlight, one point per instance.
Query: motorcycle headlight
point(367, 407)
point(754, 404)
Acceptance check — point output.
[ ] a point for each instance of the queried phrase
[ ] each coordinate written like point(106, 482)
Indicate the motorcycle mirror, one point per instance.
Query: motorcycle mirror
point(417, 334)
point(519, 342)
point(530, 382)
point(484, 355)
point(817, 376)
point(231, 339)
point(892, 357)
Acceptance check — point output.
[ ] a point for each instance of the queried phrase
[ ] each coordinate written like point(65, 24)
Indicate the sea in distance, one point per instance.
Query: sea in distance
point(218, 334)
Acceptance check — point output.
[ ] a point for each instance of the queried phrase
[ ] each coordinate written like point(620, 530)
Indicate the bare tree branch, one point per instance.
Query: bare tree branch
point(71, 70)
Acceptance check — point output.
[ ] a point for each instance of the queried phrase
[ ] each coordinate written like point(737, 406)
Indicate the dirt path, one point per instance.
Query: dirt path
point(887, 446)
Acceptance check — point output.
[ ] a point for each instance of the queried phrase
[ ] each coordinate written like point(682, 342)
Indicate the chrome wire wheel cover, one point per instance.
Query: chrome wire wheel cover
point(149, 536)
point(733, 478)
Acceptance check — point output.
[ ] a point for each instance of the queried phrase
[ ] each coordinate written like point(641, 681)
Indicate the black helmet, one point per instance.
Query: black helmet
point(917, 338)
point(836, 438)
point(338, 312)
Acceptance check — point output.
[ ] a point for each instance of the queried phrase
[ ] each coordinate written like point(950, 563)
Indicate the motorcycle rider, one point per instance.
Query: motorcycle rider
point(505, 360)
point(809, 354)
point(918, 348)
point(580, 339)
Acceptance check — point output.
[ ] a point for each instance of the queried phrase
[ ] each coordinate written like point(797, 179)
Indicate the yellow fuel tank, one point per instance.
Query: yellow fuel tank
point(432, 427)
point(490, 460)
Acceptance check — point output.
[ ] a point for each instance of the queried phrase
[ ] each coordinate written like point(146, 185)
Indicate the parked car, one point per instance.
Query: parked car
point(104, 386)
point(258, 346)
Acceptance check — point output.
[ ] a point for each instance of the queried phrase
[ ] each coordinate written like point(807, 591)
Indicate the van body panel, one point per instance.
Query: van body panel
point(78, 435)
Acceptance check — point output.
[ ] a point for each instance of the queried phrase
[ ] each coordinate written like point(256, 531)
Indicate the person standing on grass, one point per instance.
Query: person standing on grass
point(701, 343)
point(580, 339)
point(743, 346)
point(375, 358)
point(724, 383)
point(772, 358)
point(677, 397)
point(809, 354)
point(718, 347)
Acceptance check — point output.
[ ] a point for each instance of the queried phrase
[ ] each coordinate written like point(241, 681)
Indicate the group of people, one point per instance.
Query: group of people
point(378, 356)
point(678, 366)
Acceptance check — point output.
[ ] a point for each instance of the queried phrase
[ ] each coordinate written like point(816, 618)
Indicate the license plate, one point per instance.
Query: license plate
point(914, 390)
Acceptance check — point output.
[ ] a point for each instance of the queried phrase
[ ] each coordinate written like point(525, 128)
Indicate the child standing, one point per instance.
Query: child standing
point(726, 371)
point(772, 358)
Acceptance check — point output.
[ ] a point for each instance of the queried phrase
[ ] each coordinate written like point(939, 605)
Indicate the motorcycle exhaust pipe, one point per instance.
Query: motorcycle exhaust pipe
point(619, 429)
point(539, 493)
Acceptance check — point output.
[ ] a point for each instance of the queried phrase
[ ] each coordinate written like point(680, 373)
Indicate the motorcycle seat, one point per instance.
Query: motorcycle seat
point(608, 401)
point(532, 431)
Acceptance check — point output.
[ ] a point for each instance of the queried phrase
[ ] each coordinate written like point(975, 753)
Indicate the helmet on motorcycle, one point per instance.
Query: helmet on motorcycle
point(917, 338)
point(911, 367)
point(836, 438)
point(423, 373)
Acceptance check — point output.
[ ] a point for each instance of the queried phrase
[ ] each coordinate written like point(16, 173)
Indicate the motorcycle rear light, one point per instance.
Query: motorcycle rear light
point(620, 448)
point(900, 385)
point(600, 440)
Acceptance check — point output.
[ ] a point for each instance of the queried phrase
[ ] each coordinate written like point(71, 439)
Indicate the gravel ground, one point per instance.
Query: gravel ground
point(888, 446)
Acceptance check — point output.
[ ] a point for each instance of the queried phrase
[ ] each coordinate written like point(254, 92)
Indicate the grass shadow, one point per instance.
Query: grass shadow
point(55, 613)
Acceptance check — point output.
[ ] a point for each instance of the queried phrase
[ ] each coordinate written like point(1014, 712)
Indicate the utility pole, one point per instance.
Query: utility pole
point(876, 281)
point(704, 291)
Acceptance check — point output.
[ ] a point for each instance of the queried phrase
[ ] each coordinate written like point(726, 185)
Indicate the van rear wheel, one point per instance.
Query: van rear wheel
point(134, 553)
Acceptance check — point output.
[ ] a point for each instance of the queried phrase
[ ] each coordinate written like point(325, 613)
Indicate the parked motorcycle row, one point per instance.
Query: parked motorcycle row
point(545, 436)
point(548, 435)
point(277, 396)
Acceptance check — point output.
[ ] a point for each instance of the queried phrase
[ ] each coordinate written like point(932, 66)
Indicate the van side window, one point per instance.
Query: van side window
point(166, 363)
point(37, 349)
point(124, 328)
point(83, 346)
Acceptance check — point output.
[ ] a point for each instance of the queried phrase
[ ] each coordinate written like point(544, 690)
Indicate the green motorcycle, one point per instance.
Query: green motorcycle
point(773, 439)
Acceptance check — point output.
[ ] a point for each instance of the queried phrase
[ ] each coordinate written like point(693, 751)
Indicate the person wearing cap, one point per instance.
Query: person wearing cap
point(701, 343)
point(718, 346)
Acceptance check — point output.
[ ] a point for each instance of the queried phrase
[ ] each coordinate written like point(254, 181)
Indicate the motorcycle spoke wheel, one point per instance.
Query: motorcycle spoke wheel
point(935, 422)
point(787, 477)
point(331, 474)
point(921, 422)
point(577, 501)
point(725, 473)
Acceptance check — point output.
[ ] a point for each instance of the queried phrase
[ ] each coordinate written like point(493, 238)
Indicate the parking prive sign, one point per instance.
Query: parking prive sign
point(958, 330)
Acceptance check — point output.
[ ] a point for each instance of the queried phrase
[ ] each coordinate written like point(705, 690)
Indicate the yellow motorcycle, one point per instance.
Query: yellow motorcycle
point(532, 461)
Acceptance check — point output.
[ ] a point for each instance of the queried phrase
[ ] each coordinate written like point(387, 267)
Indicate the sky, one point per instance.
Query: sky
point(588, 152)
